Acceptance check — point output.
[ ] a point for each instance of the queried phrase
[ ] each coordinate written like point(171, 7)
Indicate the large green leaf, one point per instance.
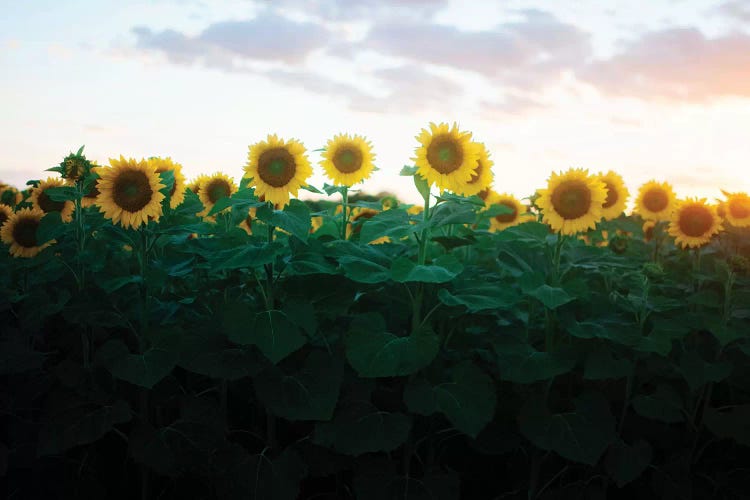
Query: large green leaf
point(624, 463)
point(520, 362)
point(698, 372)
point(142, 369)
point(295, 218)
point(581, 435)
point(307, 393)
point(272, 331)
point(148, 446)
point(208, 353)
point(480, 296)
point(364, 271)
point(247, 256)
point(664, 405)
point(551, 297)
point(80, 425)
point(443, 269)
point(50, 227)
point(468, 399)
point(601, 364)
point(260, 476)
point(733, 423)
point(393, 223)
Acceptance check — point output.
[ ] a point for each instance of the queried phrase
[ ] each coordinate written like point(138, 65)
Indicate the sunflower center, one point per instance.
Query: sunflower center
point(131, 190)
point(47, 204)
point(612, 195)
point(571, 199)
point(347, 160)
point(276, 167)
point(444, 155)
point(506, 218)
point(217, 189)
point(24, 232)
point(740, 209)
point(655, 200)
point(484, 193)
point(695, 221)
point(477, 172)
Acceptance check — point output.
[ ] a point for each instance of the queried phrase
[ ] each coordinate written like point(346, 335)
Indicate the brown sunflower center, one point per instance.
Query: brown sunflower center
point(477, 173)
point(347, 160)
point(218, 189)
point(444, 154)
point(276, 167)
point(484, 193)
point(24, 232)
point(655, 200)
point(648, 232)
point(571, 199)
point(695, 221)
point(739, 209)
point(131, 190)
point(612, 195)
point(506, 218)
point(47, 204)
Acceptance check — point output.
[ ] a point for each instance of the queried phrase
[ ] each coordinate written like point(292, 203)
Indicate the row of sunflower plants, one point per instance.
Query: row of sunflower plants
point(164, 339)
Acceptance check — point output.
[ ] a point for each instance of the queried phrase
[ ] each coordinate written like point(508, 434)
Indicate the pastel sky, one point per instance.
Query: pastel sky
point(657, 89)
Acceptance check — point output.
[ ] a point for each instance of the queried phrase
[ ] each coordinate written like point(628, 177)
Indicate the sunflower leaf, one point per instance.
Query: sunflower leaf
point(142, 369)
point(443, 269)
point(272, 331)
point(50, 227)
point(62, 193)
point(393, 223)
point(295, 218)
point(408, 171)
point(422, 186)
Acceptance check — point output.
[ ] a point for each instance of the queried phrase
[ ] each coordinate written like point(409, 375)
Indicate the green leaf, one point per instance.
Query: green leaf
point(601, 365)
point(698, 372)
point(480, 296)
point(551, 297)
point(624, 463)
point(62, 193)
point(304, 264)
point(664, 405)
point(144, 369)
point(148, 447)
point(443, 269)
point(272, 331)
point(244, 199)
point(50, 227)
point(307, 393)
point(733, 423)
point(295, 218)
point(581, 435)
point(448, 213)
point(329, 189)
point(393, 223)
point(260, 476)
point(519, 362)
point(80, 425)
point(311, 188)
point(423, 187)
point(113, 284)
point(207, 353)
point(248, 256)
point(408, 171)
point(374, 352)
point(468, 399)
point(364, 271)
point(377, 482)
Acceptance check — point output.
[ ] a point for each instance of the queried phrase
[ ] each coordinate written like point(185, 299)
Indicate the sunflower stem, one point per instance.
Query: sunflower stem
point(270, 299)
point(344, 211)
point(416, 320)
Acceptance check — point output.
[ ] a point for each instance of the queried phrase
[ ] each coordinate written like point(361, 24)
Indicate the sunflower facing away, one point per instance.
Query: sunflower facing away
point(277, 168)
point(737, 209)
point(177, 193)
point(247, 224)
point(129, 192)
point(648, 230)
point(10, 195)
point(41, 200)
point(213, 188)
point(446, 157)
point(655, 201)
point(347, 159)
point(572, 202)
point(19, 231)
point(504, 221)
point(482, 176)
point(694, 222)
point(195, 184)
point(5, 212)
point(617, 195)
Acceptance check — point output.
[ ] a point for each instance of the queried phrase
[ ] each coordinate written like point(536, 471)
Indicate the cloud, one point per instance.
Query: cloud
point(738, 10)
point(512, 104)
point(676, 64)
point(349, 10)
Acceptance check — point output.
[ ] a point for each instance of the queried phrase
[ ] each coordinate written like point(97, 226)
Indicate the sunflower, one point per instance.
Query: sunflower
point(129, 192)
point(694, 222)
point(504, 221)
point(177, 193)
point(41, 200)
point(195, 184)
point(655, 201)
point(213, 188)
point(316, 222)
point(10, 195)
point(5, 212)
point(737, 209)
point(446, 157)
point(347, 159)
point(482, 177)
point(648, 230)
point(247, 224)
point(617, 195)
point(277, 168)
point(19, 231)
point(572, 202)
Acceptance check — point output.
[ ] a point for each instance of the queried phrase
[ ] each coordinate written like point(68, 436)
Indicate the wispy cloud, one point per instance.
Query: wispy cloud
point(738, 10)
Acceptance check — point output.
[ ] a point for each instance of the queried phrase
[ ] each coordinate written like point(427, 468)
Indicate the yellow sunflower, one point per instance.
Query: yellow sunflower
point(177, 193)
point(316, 222)
point(617, 195)
point(737, 209)
point(247, 224)
point(347, 159)
point(694, 222)
point(41, 200)
point(482, 177)
point(10, 195)
point(446, 157)
point(5, 212)
point(213, 188)
point(655, 201)
point(277, 168)
point(129, 192)
point(648, 230)
point(195, 184)
point(19, 231)
point(572, 202)
point(504, 221)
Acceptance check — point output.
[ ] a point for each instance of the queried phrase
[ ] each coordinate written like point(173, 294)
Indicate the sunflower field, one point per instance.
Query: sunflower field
point(218, 340)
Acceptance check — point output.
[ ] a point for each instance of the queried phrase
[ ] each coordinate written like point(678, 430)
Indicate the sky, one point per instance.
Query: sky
point(653, 90)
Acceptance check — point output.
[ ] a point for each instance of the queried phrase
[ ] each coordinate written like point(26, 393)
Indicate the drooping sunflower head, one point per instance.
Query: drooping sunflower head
point(213, 188)
point(5, 212)
point(177, 193)
point(19, 231)
point(655, 201)
point(74, 167)
point(648, 230)
point(617, 195)
point(693, 223)
point(572, 202)
point(247, 224)
point(517, 214)
point(10, 195)
point(129, 192)
point(277, 168)
point(40, 199)
point(446, 157)
point(737, 209)
point(481, 179)
point(347, 159)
